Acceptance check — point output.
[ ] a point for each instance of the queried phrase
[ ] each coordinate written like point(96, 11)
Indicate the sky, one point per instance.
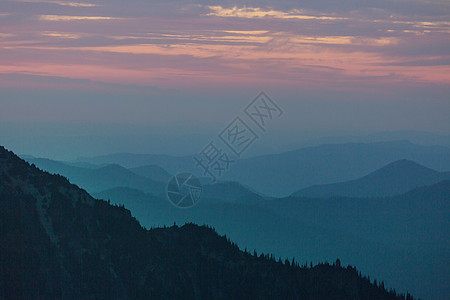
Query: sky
point(170, 69)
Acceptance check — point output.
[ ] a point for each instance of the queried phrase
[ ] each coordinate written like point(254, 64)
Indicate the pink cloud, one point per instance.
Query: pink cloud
point(222, 45)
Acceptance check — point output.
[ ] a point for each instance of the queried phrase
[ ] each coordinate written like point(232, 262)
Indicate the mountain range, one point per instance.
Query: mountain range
point(392, 179)
point(282, 174)
point(57, 242)
point(407, 231)
point(395, 215)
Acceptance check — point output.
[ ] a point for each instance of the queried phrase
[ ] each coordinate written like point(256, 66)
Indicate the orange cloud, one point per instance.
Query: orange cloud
point(62, 35)
point(73, 18)
point(255, 12)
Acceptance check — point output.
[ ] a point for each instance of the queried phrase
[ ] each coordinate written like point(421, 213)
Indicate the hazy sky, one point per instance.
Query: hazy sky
point(335, 67)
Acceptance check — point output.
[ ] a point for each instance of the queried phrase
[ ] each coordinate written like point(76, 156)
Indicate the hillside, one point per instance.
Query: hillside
point(58, 242)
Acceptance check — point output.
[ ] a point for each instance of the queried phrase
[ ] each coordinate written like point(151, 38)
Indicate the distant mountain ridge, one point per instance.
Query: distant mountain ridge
point(57, 242)
point(135, 160)
point(230, 191)
point(148, 179)
point(152, 172)
point(394, 179)
point(101, 178)
point(282, 174)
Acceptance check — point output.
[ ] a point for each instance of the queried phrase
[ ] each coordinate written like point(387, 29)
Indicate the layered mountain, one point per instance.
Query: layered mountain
point(230, 191)
point(96, 179)
point(283, 174)
point(153, 172)
point(173, 164)
point(395, 178)
point(416, 221)
point(147, 179)
point(57, 242)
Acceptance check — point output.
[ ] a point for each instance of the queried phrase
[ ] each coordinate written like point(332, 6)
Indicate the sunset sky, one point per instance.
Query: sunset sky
point(332, 64)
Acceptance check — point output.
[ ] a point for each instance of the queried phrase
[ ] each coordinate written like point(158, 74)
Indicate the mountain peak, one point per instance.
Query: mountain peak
point(395, 178)
point(405, 164)
point(403, 168)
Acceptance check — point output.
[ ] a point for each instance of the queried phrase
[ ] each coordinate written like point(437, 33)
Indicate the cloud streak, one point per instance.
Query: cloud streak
point(62, 3)
point(73, 18)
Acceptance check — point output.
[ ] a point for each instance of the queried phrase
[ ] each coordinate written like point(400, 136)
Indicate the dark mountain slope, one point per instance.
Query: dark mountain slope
point(395, 246)
point(395, 178)
point(57, 242)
